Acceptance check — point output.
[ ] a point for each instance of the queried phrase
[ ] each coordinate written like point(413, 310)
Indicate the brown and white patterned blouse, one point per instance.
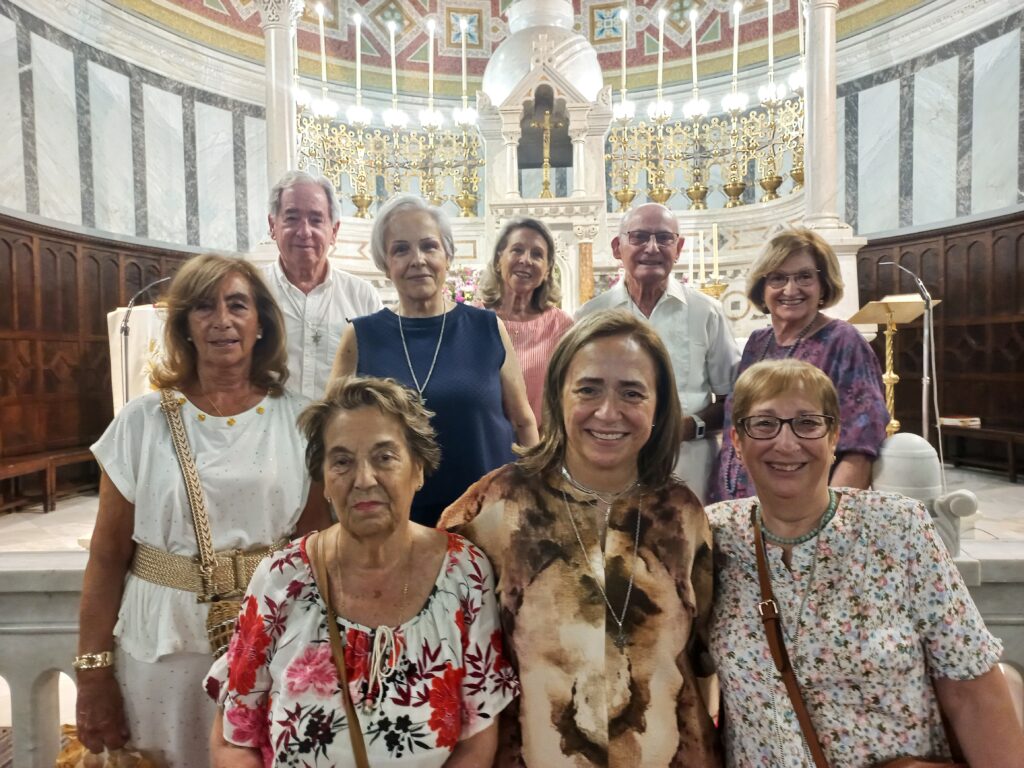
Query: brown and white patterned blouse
point(584, 701)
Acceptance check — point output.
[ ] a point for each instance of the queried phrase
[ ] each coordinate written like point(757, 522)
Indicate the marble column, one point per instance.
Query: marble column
point(579, 155)
point(511, 139)
point(277, 18)
point(585, 234)
point(821, 159)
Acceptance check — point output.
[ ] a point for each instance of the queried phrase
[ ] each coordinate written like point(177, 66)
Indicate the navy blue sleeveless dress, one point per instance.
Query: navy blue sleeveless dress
point(464, 393)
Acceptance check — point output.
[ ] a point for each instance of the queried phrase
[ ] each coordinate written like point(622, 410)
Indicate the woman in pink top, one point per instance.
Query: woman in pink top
point(521, 286)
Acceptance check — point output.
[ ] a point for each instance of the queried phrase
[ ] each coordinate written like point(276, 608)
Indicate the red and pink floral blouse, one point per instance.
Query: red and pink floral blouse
point(448, 681)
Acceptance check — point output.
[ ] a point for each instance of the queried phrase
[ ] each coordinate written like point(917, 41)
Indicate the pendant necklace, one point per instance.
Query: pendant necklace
point(405, 348)
point(621, 638)
point(607, 499)
point(301, 313)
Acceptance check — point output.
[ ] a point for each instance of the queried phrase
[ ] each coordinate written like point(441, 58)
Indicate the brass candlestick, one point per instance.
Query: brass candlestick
point(714, 287)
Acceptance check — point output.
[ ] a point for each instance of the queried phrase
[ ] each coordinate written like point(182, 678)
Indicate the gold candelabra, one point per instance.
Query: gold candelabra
point(383, 161)
point(748, 147)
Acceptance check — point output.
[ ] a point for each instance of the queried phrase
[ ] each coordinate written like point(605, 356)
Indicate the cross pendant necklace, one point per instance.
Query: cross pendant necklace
point(316, 335)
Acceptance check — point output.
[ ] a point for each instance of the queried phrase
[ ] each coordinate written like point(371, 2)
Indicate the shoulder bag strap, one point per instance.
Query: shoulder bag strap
point(355, 732)
point(769, 611)
point(196, 500)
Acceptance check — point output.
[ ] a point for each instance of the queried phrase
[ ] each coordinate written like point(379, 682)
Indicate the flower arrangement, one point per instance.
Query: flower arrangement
point(463, 284)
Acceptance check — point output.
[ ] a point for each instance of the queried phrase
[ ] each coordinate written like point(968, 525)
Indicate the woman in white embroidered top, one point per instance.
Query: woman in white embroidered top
point(521, 285)
point(878, 625)
point(143, 642)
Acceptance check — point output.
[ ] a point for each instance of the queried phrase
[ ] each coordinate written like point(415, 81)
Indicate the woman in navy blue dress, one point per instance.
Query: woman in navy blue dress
point(459, 358)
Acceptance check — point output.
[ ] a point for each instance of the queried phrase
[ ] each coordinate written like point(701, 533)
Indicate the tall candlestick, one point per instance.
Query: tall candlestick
point(689, 253)
point(463, 25)
point(714, 251)
point(323, 47)
point(359, 57)
point(623, 18)
point(702, 255)
point(431, 24)
point(662, 14)
point(800, 25)
point(771, 41)
point(394, 68)
point(736, 8)
point(693, 48)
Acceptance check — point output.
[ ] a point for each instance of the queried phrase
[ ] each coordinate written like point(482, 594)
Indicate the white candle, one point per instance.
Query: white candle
point(465, 92)
point(394, 69)
point(689, 253)
point(736, 8)
point(359, 57)
point(662, 14)
point(771, 42)
point(714, 250)
point(702, 255)
point(323, 47)
point(693, 47)
point(623, 18)
point(800, 25)
point(430, 64)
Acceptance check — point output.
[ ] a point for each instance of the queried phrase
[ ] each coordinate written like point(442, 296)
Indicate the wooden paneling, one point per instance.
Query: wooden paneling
point(977, 270)
point(56, 288)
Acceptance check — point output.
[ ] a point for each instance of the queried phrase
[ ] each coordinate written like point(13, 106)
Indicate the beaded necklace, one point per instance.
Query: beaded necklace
point(791, 349)
point(786, 541)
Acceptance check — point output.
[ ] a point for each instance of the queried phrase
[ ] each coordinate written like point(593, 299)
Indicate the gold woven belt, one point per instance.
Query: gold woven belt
point(231, 574)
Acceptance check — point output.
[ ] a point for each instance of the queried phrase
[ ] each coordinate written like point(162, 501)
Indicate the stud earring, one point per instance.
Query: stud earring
point(259, 335)
point(188, 339)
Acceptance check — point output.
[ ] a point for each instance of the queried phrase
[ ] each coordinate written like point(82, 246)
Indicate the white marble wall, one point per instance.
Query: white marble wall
point(165, 166)
point(935, 142)
point(878, 150)
point(215, 173)
point(256, 182)
point(56, 135)
point(12, 158)
point(996, 125)
point(112, 165)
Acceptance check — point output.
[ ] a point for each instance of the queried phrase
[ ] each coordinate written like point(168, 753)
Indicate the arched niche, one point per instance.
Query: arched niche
point(545, 121)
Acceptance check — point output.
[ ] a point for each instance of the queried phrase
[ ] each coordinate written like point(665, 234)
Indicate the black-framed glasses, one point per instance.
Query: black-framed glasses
point(804, 278)
point(643, 237)
point(812, 426)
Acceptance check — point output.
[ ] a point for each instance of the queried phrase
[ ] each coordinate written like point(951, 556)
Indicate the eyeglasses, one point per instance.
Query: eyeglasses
point(803, 278)
point(641, 237)
point(812, 426)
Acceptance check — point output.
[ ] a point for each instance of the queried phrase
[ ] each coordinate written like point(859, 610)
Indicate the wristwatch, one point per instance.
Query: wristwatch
point(699, 428)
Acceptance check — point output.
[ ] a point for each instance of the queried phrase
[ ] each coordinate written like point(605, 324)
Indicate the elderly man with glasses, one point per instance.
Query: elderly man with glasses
point(692, 326)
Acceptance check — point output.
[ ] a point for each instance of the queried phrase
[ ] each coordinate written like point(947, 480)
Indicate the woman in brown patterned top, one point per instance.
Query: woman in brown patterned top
point(603, 564)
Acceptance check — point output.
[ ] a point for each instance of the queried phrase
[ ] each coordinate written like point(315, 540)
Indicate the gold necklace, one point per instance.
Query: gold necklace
point(230, 420)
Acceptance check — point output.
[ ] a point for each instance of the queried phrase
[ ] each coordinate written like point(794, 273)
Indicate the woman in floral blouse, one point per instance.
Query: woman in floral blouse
point(604, 564)
point(878, 624)
point(416, 611)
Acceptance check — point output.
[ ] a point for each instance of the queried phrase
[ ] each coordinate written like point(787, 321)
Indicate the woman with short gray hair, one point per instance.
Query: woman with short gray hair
point(459, 359)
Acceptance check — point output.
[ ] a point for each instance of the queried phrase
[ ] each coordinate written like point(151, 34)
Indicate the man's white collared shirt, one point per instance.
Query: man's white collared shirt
point(315, 322)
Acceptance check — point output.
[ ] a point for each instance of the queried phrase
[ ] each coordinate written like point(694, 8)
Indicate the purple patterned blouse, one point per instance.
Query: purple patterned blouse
point(840, 351)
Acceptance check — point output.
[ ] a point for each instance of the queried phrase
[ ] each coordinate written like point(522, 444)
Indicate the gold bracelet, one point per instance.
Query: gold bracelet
point(93, 660)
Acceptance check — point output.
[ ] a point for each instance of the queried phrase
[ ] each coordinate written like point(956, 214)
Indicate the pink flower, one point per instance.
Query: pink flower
point(248, 726)
point(314, 668)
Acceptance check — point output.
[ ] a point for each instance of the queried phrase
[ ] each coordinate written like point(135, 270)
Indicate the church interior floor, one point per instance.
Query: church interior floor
point(1000, 503)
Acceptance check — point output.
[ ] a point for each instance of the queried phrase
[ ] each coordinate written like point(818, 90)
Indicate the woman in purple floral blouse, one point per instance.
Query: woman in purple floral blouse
point(416, 610)
point(795, 278)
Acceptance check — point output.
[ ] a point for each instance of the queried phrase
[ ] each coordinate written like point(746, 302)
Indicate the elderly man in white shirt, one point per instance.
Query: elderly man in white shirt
point(317, 299)
point(692, 326)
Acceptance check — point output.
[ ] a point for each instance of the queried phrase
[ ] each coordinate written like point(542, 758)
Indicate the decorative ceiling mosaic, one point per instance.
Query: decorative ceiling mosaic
point(233, 26)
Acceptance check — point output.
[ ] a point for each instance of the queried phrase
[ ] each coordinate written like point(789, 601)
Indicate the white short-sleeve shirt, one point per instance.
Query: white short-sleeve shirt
point(255, 483)
point(315, 322)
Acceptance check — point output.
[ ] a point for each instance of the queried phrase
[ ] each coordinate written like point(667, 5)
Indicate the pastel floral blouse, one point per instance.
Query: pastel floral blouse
point(887, 610)
point(279, 688)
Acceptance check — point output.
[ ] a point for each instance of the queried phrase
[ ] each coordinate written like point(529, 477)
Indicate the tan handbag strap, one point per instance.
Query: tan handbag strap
point(196, 500)
point(323, 583)
point(769, 612)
